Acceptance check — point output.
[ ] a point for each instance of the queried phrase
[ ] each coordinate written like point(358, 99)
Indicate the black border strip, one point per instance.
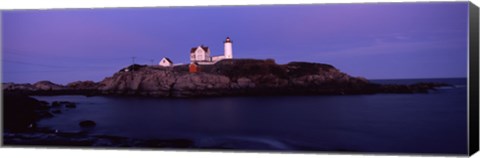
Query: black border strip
point(473, 133)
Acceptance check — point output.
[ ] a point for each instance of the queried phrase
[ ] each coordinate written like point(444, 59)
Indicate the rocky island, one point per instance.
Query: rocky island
point(229, 77)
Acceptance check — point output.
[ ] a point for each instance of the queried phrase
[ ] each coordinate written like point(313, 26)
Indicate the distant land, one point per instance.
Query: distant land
point(228, 77)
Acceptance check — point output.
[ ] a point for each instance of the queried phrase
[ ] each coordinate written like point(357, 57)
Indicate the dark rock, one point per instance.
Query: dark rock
point(56, 104)
point(87, 123)
point(57, 111)
point(21, 112)
point(43, 106)
point(70, 105)
point(134, 67)
point(43, 102)
point(43, 114)
point(64, 103)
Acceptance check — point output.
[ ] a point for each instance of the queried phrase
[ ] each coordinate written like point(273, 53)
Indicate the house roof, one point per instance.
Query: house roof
point(202, 47)
point(170, 61)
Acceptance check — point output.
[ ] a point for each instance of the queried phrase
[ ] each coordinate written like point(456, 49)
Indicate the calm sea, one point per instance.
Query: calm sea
point(395, 123)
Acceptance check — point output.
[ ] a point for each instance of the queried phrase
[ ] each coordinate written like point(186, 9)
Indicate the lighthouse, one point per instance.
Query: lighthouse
point(228, 49)
point(201, 54)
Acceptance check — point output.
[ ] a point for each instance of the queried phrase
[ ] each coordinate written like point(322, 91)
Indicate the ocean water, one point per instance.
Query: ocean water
point(389, 123)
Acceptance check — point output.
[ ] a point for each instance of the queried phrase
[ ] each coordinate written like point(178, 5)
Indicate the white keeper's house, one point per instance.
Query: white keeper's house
point(201, 54)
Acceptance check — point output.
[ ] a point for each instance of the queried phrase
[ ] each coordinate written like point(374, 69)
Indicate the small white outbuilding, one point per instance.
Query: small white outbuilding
point(165, 62)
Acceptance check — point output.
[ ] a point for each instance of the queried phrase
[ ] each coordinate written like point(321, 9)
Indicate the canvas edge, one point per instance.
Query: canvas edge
point(473, 80)
point(1, 78)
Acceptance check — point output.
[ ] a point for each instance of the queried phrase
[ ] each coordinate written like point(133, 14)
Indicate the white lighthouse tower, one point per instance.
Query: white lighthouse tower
point(228, 49)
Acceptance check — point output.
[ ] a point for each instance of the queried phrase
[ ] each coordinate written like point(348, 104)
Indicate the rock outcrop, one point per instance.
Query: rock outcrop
point(13, 86)
point(47, 85)
point(229, 77)
point(83, 85)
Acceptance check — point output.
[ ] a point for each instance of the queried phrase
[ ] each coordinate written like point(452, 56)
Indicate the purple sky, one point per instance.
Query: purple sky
point(376, 41)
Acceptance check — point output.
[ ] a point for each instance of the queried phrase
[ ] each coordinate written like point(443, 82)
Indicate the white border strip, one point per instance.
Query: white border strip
point(50, 4)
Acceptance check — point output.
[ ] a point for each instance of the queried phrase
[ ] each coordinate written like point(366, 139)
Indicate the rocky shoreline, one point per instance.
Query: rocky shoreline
point(232, 77)
point(82, 139)
point(21, 114)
